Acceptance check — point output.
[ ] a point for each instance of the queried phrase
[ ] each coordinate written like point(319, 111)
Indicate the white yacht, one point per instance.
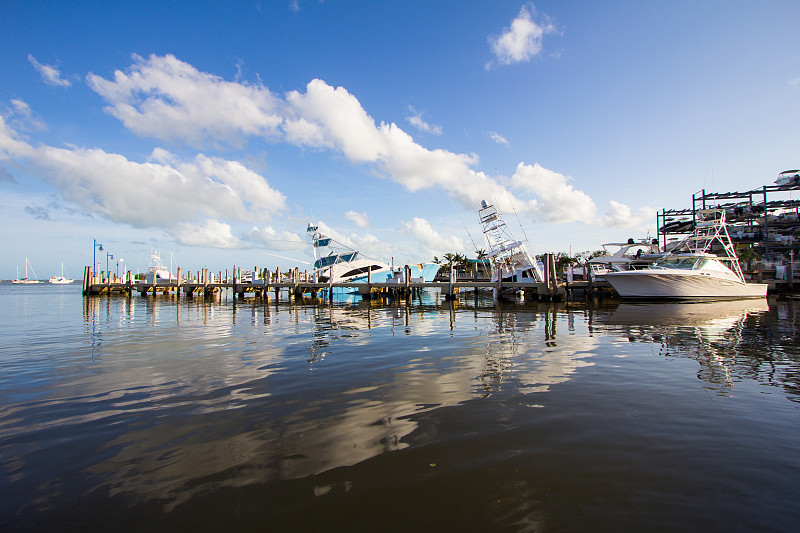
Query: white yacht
point(509, 258)
point(337, 260)
point(157, 272)
point(61, 279)
point(627, 256)
point(692, 270)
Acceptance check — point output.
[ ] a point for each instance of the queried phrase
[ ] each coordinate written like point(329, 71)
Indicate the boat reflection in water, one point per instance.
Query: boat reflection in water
point(712, 332)
point(247, 414)
point(267, 419)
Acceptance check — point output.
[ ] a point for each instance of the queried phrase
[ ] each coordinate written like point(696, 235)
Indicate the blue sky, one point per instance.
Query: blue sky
point(215, 133)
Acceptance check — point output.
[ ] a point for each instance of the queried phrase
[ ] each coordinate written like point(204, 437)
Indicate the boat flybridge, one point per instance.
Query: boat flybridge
point(627, 256)
point(705, 265)
point(509, 258)
point(157, 272)
point(332, 258)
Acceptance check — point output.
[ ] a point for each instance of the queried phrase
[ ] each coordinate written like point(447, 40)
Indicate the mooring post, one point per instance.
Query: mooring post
point(234, 282)
point(87, 273)
point(450, 289)
point(546, 277)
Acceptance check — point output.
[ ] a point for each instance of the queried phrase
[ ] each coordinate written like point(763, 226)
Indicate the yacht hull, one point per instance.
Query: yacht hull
point(689, 284)
point(355, 271)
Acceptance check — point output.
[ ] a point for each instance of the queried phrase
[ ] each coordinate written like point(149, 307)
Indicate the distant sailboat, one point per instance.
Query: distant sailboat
point(61, 279)
point(26, 279)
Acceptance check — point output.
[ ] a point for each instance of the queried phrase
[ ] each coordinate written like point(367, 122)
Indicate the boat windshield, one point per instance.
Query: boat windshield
point(685, 263)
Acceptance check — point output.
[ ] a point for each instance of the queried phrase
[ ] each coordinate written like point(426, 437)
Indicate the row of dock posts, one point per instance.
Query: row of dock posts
point(263, 280)
point(551, 292)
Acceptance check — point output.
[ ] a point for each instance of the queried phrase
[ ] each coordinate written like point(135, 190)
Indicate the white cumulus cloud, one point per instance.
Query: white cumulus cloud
point(620, 215)
point(496, 137)
point(433, 241)
point(274, 239)
point(212, 234)
point(416, 120)
point(165, 193)
point(558, 201)
point(523, 39)
point(359, 219)
point(169, 99)
point(50, 75)
point(166, 98)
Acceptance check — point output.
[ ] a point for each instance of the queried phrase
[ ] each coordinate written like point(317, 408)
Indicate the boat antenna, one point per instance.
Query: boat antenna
point(516, 215)
point(289, 258)
point(474, 246)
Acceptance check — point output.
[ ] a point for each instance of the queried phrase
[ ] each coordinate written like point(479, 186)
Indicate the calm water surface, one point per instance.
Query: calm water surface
point(149, 414)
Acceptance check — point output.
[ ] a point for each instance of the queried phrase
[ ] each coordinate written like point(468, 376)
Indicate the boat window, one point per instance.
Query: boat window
point(676, 262)
point(354, 272)
point(701, 263)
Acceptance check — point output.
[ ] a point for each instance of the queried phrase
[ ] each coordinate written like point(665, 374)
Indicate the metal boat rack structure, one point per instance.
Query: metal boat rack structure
point(765, 219)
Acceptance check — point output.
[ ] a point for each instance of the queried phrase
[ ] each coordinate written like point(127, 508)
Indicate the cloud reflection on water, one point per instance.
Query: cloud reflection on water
point(380, 368)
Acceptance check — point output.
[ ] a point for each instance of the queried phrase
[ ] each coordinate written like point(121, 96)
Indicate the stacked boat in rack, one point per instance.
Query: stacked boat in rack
point(705, 265)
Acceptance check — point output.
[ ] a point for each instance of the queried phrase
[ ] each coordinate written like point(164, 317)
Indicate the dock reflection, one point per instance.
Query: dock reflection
point(257, 390)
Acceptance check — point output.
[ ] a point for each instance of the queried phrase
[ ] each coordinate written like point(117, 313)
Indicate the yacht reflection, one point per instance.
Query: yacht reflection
point(705, 320)
point(711, 332)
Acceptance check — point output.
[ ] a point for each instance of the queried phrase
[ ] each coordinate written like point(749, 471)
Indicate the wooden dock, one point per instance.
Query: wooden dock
point(264, 283)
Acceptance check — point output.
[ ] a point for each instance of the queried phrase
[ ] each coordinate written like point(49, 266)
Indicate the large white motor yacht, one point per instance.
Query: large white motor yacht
point(692, 270)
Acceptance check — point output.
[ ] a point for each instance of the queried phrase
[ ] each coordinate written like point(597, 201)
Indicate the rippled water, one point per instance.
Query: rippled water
point(145, 414)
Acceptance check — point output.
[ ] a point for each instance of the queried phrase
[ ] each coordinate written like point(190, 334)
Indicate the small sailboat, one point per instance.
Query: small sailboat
point(26, 280)
point(61, 279)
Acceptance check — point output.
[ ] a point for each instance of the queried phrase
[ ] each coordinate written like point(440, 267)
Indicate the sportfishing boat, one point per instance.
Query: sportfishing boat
point(157, 272)
point(61, 279)
point(342, 263)
point(704, 266)
point(627, 256)
point(26, 280)
point(509, 258)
